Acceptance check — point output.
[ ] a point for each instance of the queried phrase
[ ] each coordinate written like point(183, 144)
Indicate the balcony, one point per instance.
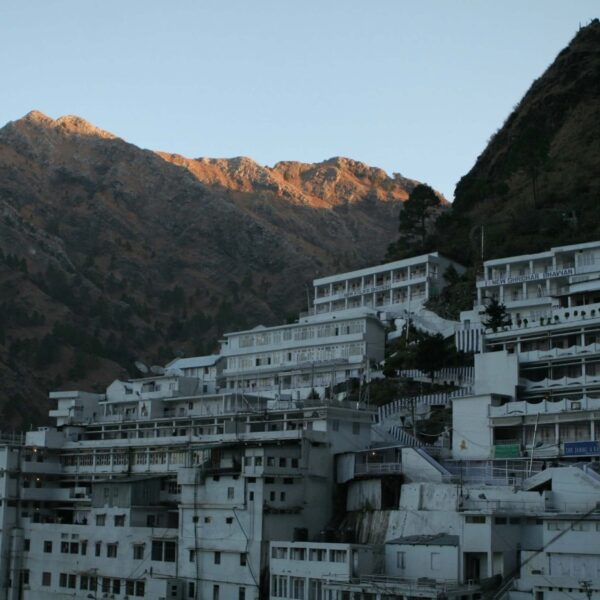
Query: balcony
point(560, 382)
point(535, 355)
point(511, 409)
point(52, 494)
point(373, 468)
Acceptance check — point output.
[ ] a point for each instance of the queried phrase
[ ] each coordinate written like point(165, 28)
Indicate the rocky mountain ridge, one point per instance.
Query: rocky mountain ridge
point(110, 253)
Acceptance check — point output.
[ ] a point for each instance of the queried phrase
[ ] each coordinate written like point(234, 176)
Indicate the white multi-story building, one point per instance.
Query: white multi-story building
point(531, 286)
point(395, 287)
point(291, 361)
point(165, 494)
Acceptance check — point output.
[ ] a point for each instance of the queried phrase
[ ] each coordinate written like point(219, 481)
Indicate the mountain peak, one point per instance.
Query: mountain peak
point(37, 116)
point(77, 125)
point(68, 123)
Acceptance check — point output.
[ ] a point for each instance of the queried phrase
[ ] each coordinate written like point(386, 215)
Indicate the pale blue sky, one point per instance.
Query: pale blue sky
point(415, 87)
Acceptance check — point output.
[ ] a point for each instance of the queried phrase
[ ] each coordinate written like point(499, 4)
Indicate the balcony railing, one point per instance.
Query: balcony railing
point(378, 468)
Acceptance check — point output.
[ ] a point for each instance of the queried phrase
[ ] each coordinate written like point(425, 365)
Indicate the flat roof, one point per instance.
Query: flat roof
point(436, 539)
point(194, 361)
point(413, 260)
point(544, 254)
point(331, 317)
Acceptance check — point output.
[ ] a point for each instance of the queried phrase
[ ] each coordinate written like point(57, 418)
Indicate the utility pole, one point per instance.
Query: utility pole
point(587, 588)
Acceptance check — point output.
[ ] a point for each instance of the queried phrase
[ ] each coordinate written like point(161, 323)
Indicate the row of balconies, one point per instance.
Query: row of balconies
point(535, 355)
point(338, 294)
point(544, 407)
point(559, 382)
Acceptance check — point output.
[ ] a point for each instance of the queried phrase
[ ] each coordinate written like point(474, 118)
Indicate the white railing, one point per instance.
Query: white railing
point(377, 468)
point(12, 437)
point(545, 406)
point(458, 375)
point(440, 399)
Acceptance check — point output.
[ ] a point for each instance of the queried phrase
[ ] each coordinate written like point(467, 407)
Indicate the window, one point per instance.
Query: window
point(217, 558)
point(337, 556)
point(229, 493)
point(282, 462)
point(191, 589)
point(215, 592)
point(192, 556)
point(435, 561)
point(298, 554)
point(140, 588)
point(150, 520)
point(243, 559)
point(229, 520)
point(400, 560)
point(282, 496)
point(25, 576)
point(272, 496)
point(279, 552)
point(46, 579)
point(101, 519)
point(294, 463)
point(72, 581)
point(84, 582)
point(258, 461)
point(138, 551)
point(47, 546)
point(106, 585)
point(119, 520)
point(98, 548)
point(64, 547)
point(500, 520)
point(250, 496)
point(62, 580)
point(242, 593)
point(26, 544)
point(297, 587)
point(111, 550)
point(84, 547)
point(475, 519)
point(317, 554)
point(270, 461)
point(116, 588)
point(207, 519)
point(163, 551)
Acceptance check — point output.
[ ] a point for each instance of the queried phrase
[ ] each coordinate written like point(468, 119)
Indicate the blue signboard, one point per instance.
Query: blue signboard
point(581, 448)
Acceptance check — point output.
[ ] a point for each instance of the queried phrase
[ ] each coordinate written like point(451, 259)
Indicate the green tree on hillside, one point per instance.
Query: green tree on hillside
point(496, 315)
point(414, 219)
point(431, 354)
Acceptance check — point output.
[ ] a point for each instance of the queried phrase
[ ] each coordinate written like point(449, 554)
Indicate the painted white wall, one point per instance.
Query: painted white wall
point(471, 434)
point(496, 373)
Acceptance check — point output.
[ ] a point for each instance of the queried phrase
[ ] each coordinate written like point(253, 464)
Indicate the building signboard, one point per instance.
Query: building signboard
point(525, 278)
point(507, 451)
point(581, 448)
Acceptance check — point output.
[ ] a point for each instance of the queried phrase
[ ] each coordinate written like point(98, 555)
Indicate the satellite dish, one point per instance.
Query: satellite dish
point(141, 366)
point(157, 370)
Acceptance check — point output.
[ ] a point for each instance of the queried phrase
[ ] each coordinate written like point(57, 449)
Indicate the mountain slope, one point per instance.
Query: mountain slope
point(109, 252)
point(537, 183)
